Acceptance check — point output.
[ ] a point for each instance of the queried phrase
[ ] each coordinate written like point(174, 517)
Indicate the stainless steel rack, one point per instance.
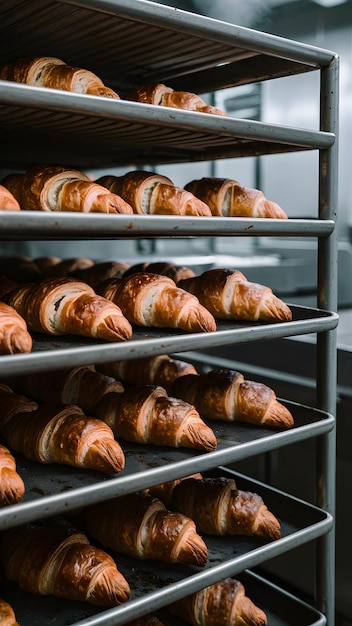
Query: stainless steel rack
point(136, 41)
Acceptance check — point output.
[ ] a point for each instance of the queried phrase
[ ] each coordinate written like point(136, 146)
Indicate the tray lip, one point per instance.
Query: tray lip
point(206, 27)
point(105, 108)
point(133, 348)
point(90, 226)
point(123, 484)
point(154, 600)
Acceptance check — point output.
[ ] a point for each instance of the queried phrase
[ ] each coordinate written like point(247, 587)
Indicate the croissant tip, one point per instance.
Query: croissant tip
point(279, 416)
point(269, 525)
point(106, 456)
point(274, 309)
point(113, 329)
point(194, 551)
point(20, 343)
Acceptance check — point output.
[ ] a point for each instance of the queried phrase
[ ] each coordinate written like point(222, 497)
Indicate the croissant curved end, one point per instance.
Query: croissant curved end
point(274, 309)
point(194, 550)
point(268, 525)
point(111, 589)
point(198, 435)
point(105, 455)
point(12, 487)
point(249, 614)
point(18, 342)
point(278, 415)
point(199, 319)
point(114, 329)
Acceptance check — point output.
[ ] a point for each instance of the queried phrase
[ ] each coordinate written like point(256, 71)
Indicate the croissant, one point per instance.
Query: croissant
point(164, 491)
point(140, 526)
point(158, 369)
point(225, 395)
point(8, 201)
point(146, 414)
point(154, 300)
point(154, 194)
point(52, 433)
point(218, 508)
point(220, 604)
point(66, 267)
point(227, 294)
point(160, 94)
point(14, 336)
point(100, 272)
point(56, 188)
point(82, 385)
point(11, 484)
point(59, 306)
point(58, 560)
point(227, 198)
point(53, 73)
point(7, 614)
point(172, 270)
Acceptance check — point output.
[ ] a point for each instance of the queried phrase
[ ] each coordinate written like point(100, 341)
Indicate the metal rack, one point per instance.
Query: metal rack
point(37, 125)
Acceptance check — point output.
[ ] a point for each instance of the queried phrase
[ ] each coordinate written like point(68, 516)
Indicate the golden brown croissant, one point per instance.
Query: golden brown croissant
point(158, 369)
point(154, 194)
point(221, 604)
point(58, 560)
point(7, 614)
point(166, 268)
point(227, 294)
point(226, 395)
point(160, 94)
point(11, 484)
point(140, 526)
point(52, 433)
point(227, 198)
point(100, 272)
point(60, 306)
point(146, 414)
point(56, 188)
point(218, 508)
point(82, 385)
point(8, 201)
point(164, 491)
point(155, 300)
point(14, 336)
point(53, 73)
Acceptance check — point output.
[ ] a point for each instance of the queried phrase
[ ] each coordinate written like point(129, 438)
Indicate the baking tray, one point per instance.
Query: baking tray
point(40, 225)
point(38, 125)
point(54, 489)
point(155, 584)
point(56, 352)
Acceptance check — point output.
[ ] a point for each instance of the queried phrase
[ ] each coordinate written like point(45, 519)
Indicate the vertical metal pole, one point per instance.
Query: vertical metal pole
point(326, 342)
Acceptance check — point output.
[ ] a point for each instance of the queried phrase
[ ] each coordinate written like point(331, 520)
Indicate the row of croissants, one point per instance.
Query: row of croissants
point(57, 188)
point(107, 300)
point(78, 416)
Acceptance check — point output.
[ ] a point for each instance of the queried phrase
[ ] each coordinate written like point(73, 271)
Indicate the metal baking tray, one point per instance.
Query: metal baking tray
point(155, 584)
point(55, 352)
point(39, 225)
point(54, 489)
point(39, 124)
point(136, 41)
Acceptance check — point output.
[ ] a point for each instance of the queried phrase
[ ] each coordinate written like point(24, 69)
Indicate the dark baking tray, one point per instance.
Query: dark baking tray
point(53, 489)
point(59, 351)
point(155, 584)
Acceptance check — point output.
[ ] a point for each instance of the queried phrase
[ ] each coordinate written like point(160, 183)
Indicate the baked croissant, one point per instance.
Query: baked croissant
point(157, 369)
point(160, 94)
point(227, 198)
point(56, 188)
point(227, 294)
point(146, 414)
point(218, 508)
point(154, 194)
point(82, 385)
point(164, 491)
point(140, 526)
point(226, 395)
point(7, 614)
point(53, 73)
point(101, 271)
point(14, 336)
point(52, 433)
point(222, 604)
point(11, 484)
point(8, 201)
point(58, 560)
point(172, 270)
point(155, 300)
point(59, 306)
